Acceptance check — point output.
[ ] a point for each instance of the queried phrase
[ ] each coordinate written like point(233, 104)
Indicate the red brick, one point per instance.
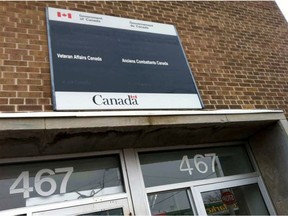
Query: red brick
point(29, 94)
point(7, 81)
point(3, 101)
point(28, 69)
point(14, 75)
point(30, 101)
point(15, 87)
point(29, 108)
point(16, 101)
point(7, 94)
point(15, 63)
point(29, 81)
point(7, 108)
point(44, 101)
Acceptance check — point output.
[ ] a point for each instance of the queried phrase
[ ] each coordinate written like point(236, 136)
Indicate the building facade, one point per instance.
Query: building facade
point(230, 158)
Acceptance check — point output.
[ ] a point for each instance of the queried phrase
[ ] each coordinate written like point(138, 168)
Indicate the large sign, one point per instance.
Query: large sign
point(102, 62)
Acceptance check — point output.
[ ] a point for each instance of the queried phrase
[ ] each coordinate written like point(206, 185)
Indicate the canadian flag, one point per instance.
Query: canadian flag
point(67, 15)
point(133, 96)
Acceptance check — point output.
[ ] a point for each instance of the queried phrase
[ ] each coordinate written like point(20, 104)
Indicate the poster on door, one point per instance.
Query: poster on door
point(220, 203)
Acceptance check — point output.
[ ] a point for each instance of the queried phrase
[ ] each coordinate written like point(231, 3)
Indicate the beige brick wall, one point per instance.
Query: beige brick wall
point(238, 51)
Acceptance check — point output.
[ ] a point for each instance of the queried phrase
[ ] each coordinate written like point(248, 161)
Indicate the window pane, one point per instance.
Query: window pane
point(56, 181)
point(170, 203)
point(160, 168)
point(243, 200)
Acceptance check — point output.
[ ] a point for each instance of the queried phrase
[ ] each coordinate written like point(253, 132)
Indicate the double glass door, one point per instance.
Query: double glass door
point(205, 181)
point(222, 180)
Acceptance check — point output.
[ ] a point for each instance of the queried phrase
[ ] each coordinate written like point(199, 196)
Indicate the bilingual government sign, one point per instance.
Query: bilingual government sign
point(101, 62)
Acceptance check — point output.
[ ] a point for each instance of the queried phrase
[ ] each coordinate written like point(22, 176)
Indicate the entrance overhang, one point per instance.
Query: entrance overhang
point(43, 135)
point(39, 134)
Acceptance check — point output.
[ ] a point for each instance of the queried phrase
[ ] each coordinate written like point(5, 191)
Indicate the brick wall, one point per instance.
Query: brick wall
point(238, 51)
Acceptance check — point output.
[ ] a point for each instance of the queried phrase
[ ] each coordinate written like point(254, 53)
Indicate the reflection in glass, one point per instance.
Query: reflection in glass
point(168, 167)
point(170, 203)
point(242, 200)
point(118, 211)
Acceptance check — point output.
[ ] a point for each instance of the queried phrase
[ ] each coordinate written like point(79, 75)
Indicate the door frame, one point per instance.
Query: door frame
point(136, 192)
point(87, 208)
point(197, 190)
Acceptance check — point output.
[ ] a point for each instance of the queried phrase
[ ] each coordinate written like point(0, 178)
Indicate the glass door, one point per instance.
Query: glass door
point(219, 180)
point(113, 207)
point(239, 197)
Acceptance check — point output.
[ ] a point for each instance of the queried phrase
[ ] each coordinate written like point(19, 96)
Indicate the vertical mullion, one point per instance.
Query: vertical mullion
point(136, 183)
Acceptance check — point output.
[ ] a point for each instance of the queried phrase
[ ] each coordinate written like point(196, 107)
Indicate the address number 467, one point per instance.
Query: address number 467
point(39, 181)
point(199, 164)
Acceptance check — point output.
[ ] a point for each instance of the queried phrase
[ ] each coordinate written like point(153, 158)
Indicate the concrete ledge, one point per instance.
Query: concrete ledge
point(48, 121)
point(134, 113)
point(21, 124)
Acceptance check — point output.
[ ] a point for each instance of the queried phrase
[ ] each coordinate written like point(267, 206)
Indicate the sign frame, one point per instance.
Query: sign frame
point(123, 100)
